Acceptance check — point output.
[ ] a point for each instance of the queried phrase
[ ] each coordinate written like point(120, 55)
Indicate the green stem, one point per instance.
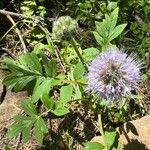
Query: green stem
point(45, 112)
point(100, 125)
point(73, 42)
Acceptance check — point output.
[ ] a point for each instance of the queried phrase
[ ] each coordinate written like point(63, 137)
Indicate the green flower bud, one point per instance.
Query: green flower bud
point(63, 27)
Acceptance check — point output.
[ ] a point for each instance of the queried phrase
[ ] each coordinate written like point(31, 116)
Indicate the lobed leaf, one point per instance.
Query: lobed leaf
point(60, 110)
point(99, 39)
point(47, 101)
point(117, 31)
point(28, 107)
point(66, 93)
point(93, 146)
point(39, 130)
point(78, 71)
point(90, 53)
point(42, 85)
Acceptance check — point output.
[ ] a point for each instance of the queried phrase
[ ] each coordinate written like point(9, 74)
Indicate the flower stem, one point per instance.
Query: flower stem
point(73, 42)
point(100, 125)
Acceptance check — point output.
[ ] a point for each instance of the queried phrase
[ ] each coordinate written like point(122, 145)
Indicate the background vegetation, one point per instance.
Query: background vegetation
point(49, 68)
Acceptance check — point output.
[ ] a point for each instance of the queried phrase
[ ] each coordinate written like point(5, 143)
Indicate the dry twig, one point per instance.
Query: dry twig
point(18, 32)
point(4, 12)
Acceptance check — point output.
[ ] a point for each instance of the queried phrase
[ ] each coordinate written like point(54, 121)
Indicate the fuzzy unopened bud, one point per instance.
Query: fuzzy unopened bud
point(63, 27)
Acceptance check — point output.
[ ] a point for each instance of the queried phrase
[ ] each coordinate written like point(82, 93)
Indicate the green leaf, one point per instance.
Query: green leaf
point(22, 82)
point(26, 69)
point(49, 66)
point(26, 131)
point(8, 148)
point(66, 93)
point(38, 48)
point(14, 130)
point(93, 146)
point(52, 68)
point(60, 110)
point(110, 137)
point(111, 5)
point(47, 101)
point(90, 53)
point(78, 93)
point(43, 85)
point(10, 80)
point(18, 82)
point(46, 64)
point(39, 130)
point(114, 17)
point(28, 107)
point(23, 71)
point(31, 61)
point(117, 31)
point(25, 125)
point(21, 118)
point(78, 71)
point(99, 39)
point(102, 29)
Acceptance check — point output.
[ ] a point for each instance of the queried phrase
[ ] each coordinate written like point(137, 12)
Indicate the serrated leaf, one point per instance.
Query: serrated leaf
point(101, 29)
point(47, 101)
point(23, 71)
point(30, 61)
point(10, 80)
point(46, 64)
point(49, 66)
point(90, 53)
point(16, 68)
point(25, 125)
point(22, 82)
point(78, 71)
point(107, 25)
point(60, 110)
point(28, 107)
point(38, 48)
point(52, 68)
point(93, 146)
point(114, 17)
point(26, 132)
point(117, 31)
point(42, 86)
point(17, 81)
point(39, 130)
point(66, 93)
point(110, 137)
point(13, 66)
point(78, 93)
point(14, 130)
point(98, 38)
point(21, 118)
point(111, 5)
point(36, 65)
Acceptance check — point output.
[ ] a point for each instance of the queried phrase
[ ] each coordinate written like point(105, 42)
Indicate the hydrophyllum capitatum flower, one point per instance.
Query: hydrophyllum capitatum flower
point(113, 75)
point(63, 27)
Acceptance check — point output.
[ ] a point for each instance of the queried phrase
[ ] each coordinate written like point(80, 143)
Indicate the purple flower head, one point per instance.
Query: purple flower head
point(113, 75)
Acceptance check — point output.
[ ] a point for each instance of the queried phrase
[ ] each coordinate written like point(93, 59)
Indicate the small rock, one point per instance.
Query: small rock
point(134, 135)
point(10, 107)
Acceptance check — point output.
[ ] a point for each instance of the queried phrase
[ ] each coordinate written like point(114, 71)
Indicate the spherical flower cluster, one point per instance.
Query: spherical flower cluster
point(113, 75)
point(63, 27)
